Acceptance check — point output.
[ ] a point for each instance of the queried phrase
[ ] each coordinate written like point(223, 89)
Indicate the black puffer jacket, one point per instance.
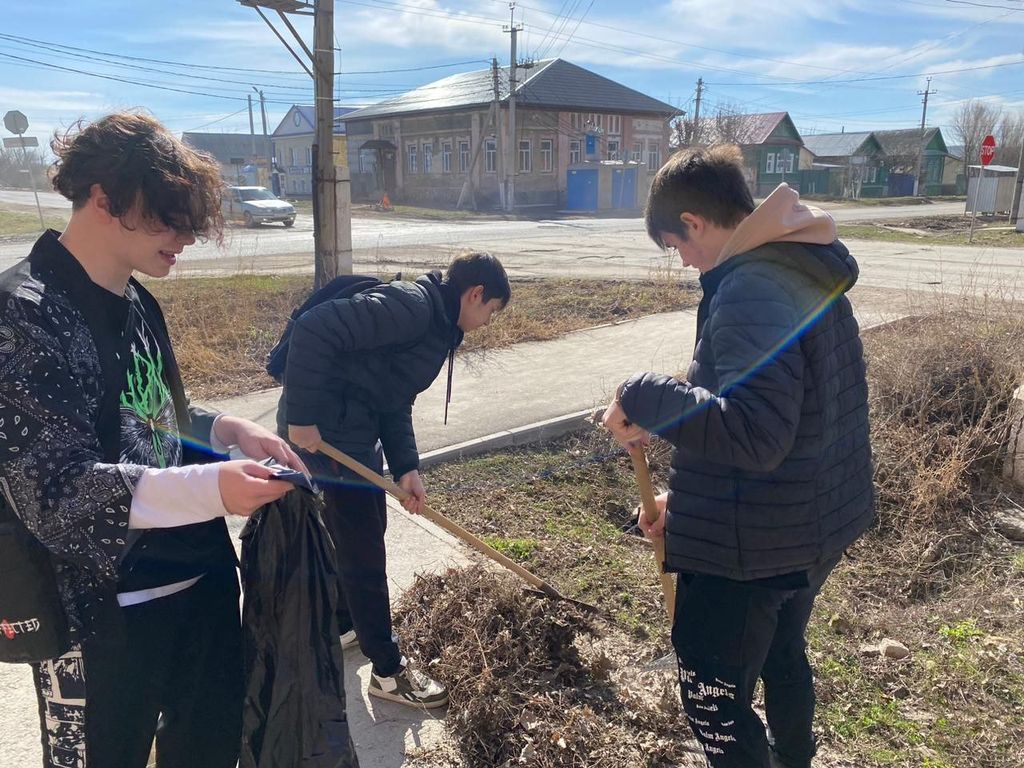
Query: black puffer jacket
point(356, 365)
point(772, 468)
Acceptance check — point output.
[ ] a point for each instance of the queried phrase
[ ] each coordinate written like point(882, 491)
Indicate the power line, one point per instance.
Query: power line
point(884, 77)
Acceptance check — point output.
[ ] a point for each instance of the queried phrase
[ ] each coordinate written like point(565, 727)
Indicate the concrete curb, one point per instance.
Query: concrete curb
point(512, 438)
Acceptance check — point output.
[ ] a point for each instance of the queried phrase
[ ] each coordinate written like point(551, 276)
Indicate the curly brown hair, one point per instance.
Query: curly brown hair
point(143, 169)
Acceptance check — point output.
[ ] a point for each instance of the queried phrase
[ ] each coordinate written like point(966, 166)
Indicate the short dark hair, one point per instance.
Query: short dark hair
point(138, 162)
point(471, 269)
point(704, 181)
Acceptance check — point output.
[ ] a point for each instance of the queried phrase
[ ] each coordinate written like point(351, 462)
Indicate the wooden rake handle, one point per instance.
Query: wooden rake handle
point(650, 507)
point(440, 520)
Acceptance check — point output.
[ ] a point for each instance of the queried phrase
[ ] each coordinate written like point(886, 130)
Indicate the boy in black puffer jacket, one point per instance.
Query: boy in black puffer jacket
point(354, 368)
point(771, 476)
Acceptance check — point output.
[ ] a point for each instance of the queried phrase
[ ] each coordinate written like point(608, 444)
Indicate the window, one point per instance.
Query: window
point(545, 155)
point(653, 155)
point(873, 175)
point(614, 124)
point(309, 155)
point(574, 151)
point(769, 163)
point(576, 121)
point(790, 158)
point(291, 151)
point(525, 157)
point(638, 152)
point(428, 157)
point(446, 157)
point(613, 149)
point(463, 157)
point(491, 156)
point(411, 153)
point(595, 120)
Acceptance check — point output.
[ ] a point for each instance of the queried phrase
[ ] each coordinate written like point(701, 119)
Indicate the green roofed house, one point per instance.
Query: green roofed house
point(770, 142)
point(903, 149)
point(581, 141)
point(844, 165)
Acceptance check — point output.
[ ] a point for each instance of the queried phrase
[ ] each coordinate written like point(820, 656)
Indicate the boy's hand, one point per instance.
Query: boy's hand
point(245, 486)
point(411, 483)
point(657, 528)
point(306, 437)
point(628, 435)
point(257, 442)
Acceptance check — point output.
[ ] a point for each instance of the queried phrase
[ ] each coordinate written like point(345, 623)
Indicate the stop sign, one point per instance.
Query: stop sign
point(16, 122)
point(988, 149)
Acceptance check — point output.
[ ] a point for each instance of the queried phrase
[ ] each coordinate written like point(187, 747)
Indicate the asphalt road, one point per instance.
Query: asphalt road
point(580, 247)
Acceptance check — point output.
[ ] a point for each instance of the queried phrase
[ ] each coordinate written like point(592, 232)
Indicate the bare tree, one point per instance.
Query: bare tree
point(973, 121)
point(1009, 139)
point(13, 165)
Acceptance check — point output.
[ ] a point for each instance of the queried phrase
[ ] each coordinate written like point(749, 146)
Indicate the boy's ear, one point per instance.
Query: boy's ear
point(475, 294)
point(692, 222)
point(99, 198)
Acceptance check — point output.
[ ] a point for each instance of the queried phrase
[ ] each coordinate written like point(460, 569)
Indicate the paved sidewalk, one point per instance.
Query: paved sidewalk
point(493, 392)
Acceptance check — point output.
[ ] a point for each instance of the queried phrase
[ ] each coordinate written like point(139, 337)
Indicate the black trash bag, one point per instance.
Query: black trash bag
point(294, 711)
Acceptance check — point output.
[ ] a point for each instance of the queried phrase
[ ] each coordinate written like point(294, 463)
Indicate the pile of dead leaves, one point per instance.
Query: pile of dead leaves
point(536, 682)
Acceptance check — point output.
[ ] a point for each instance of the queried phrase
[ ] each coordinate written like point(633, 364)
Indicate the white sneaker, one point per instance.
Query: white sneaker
point(349, 639)
point(410, 687)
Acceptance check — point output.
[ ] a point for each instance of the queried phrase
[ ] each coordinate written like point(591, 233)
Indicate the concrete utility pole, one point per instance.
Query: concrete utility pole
point(499, 132)
point(918, 182)
point(332, 226)
point(696, 110)
point(513, 166)
point(266, 143)
point(252, 129)
point(1018, 186)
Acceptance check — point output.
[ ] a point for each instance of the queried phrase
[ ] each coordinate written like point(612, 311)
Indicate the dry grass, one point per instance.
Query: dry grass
point(932, 573)
point(938, 230)
point(223, 328)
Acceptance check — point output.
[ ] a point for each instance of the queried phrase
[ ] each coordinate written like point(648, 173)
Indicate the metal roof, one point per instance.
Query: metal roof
point(744, 130)
point(307, 121)
point(836, 144)
point(551, 84)
point(227, 146)
point(906, 141)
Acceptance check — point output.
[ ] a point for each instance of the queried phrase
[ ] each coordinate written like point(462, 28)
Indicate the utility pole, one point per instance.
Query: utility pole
point(1018, 189)
point(920, 150)
point(512, 166)
point(252, 129)
point(696, 111)
point(266, 143)
point(499, 132)
point(332, 229)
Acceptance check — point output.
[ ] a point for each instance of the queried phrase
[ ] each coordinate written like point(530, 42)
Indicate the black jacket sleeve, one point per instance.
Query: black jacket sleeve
point(751, 422)
point(52, 472)
point(399, 441)
point(323, 336)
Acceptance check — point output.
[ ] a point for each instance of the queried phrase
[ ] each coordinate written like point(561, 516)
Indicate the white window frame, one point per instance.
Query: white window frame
point(428, 157)
point(309, 156)
point(525, 163)
point(464, 152)
point(613, 149)
point(410, 158)
point(790, 162)
point(446, 157)
point(576, 121)
point(769, 163)
point(614, 125)
point(638, 152)
point(547, 154)
point(490, 155)
point(653, 155)
point(575, 151)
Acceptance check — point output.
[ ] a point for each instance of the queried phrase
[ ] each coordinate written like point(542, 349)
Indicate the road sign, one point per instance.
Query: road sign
point(988, 149)
point(20, 142)
point(16, 122)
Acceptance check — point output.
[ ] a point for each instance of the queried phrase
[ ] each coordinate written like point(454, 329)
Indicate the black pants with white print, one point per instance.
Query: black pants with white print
point(727, 634)
point(177, 676)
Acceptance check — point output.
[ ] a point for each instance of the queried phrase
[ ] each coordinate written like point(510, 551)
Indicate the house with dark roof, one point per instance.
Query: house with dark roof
point(243, 158)
point(293, 147)
point(902, 150)
point(423, 146)
point(850, 164)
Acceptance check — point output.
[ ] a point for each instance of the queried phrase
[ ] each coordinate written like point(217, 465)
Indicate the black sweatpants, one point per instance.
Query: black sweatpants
point(727, 634)
point(178, 675)
point(357, 516)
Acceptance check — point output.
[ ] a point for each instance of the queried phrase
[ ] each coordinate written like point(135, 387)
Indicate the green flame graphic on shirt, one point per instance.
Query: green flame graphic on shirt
point(146, 395)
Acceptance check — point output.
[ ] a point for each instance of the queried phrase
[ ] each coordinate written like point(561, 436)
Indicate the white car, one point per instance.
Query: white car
point(255, 205)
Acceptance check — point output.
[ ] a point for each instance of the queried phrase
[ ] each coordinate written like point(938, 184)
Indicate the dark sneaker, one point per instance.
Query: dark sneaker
point(410, 687)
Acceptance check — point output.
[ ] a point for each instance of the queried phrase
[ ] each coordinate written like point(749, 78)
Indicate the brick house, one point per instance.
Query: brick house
point(423, 146)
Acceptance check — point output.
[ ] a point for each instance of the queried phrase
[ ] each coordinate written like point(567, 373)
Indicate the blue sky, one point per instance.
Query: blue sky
point(853, 64)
